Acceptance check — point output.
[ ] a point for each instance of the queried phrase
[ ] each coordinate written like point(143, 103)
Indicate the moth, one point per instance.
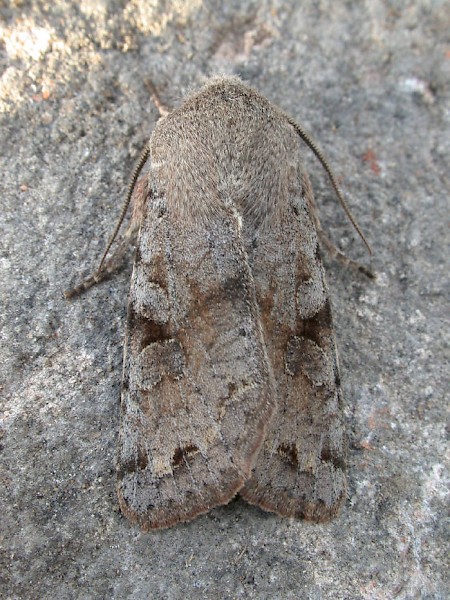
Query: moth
point(230, 376)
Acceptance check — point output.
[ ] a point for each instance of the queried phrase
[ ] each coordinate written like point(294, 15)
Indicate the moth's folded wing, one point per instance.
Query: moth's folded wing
point(197, 393)
point(300, 471)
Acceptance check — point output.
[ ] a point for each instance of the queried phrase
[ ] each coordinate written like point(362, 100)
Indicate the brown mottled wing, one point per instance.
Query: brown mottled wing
point(300, 471)
point(197, 393)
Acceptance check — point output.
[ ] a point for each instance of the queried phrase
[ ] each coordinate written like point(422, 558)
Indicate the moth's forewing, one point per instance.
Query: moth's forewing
point(300, 471)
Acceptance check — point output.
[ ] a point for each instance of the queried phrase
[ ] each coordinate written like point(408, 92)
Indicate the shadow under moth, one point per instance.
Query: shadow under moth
point(230, 378)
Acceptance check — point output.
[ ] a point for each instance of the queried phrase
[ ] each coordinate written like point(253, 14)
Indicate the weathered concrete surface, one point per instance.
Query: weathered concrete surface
point(370, 81)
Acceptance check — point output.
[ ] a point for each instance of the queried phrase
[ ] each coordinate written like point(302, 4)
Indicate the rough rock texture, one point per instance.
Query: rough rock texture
point(370, 81)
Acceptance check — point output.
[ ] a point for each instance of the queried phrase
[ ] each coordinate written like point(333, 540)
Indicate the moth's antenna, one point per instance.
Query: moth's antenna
point(144, 156)
point(309, 142)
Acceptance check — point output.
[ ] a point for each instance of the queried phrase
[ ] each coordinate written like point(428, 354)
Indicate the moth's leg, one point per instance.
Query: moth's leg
point(110, 266)
point(341, 258)
point(162, 108)
point(332, 251)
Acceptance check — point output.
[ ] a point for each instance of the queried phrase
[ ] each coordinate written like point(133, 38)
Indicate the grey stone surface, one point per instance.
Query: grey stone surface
point(370, 80)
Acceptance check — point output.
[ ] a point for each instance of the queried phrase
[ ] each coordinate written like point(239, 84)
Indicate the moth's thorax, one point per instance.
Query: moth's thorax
point(226, 144)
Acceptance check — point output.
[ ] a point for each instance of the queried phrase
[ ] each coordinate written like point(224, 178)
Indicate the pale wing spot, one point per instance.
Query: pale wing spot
point(157, 361)
point(148, 299)
point(311, 293)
